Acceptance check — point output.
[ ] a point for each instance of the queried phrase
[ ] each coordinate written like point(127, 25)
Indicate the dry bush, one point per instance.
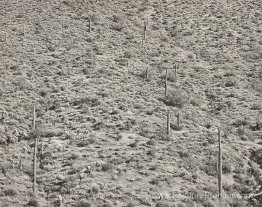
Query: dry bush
point(90, 101)
point(144, 129)
point(196, 100)
point(256, 156)
point(74, 156)
point(45, 132)
point(170, 76)
point(33, 202)
point(175, 127)
point(106, 167)
point(230, 82)
point(226, 168)
point(163, 204)
point(4, 168)
point(238, 203)
point(130, 205)
point(83, 203)
point(177, 98)
point(210, 168)
point(10, 192)
point(117, 27)
point(257, 86)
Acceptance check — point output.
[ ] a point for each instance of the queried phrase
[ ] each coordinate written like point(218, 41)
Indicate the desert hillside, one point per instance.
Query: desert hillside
point(104, 76)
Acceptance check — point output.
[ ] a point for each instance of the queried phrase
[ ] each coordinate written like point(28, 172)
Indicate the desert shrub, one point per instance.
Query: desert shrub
point(74, 156)
point(255, 106)
point(74, 170)
point(154, 181)
point(130, 205)
point(176, 98)
point(144, 129)
point(229, 73)
point(254, 171)
point(237, 202)
point(122, 61)
point(162, 135)
point(151, 142)
point(133, 144)
point(3, 169)
point(117, 27)
point(162, 204)
point(106, 166)
point(10, 192)
point(43, 92)
point(105, 205)
point(256, 156)
point(45, 132)
point(170, 76)
point(226, 168)
point(83, 204)
point(91, 101)
point(94, 190)
point(86, 71)
point(175, 127)
point(240, 122)
point(210, 169)
point(33, 202)
point(51, 132)
point(230, 82)
point(257, 86)
point(128, 54)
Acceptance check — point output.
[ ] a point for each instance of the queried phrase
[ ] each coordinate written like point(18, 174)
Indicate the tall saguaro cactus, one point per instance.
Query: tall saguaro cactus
point(166, 82)
point(144, 30)
point(219, 164)
point(6, 37)
point(24, 30)
point(178, 120)
point(147, 73)
point(35, 151)
point(90, 24)
point(168, 123)
point(176, 67)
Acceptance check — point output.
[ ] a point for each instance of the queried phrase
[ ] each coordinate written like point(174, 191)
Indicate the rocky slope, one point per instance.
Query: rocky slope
point(102, 125)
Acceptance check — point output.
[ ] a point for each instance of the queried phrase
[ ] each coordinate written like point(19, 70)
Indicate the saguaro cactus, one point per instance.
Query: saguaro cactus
point(20, 165)
point(168, 124)
point(166, 82)
point(144, 30)
point(89, 25)
point(219, 164)
point(178, 120)
point(176, 68)
point(23, 29)
point(6, 37)
point(147, 71)
point(35, 151)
